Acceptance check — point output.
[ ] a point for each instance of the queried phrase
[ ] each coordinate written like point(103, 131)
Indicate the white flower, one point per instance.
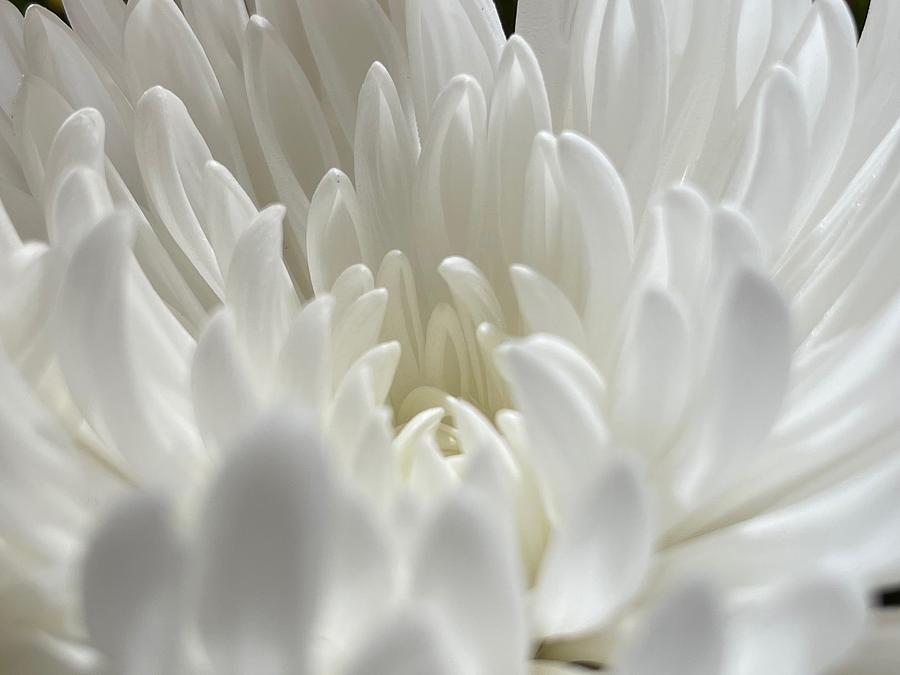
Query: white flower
point(350, 337)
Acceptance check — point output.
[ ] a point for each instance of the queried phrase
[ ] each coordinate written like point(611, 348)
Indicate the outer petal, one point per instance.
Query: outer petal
point(262, 552)
point(519, 110)
point(597, 557)
point(803, 626)
point(385, 152)
point(132, 589)
point(101, 24)
point(745, 385)
point(774, 166)
point(161, 49)
point(172, 155)
point(465, 568)
point(545, 308)
point(124, 356)
point(449, 188)
point(683, 635)
point(224, 387)
point(447, 38)
point(550, 29)
point(347, 37)
point(290, 124)
point(337, 235)
point(54, 54)
point(652, 377)
point(557, 391)
point(602, 223)
point(304, 366)
point(12, 54)
point(408, 644)
point(879, 650)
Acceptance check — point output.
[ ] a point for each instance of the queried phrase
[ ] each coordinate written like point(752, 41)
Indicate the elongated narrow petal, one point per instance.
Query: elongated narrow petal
point(597, 557)
point(124, 356)
point(555, 389)
point(259, 287)
point(776, 154)
point(337, 236)
point(449, 38)
point(290, 124)
point(385, 152)
point(745, 386)
point(366, 32)
point(172, 155)
point(224, 395)
point(162, 50)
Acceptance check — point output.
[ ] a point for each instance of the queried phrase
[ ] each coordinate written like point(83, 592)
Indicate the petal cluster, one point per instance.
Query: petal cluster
point(350, 336)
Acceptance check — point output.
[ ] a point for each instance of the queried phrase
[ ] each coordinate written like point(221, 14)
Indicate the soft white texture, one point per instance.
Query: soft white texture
point(348, 336)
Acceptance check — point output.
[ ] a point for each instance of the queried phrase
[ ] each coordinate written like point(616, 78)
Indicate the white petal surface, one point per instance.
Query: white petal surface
point(347, 37)
point(553, 387)
point(124, 356)
point(262, 552)
point(464, 569)
point(745, 385)
point(774, 166)
point(598, 555)
point(799, 628)
point(683, 635)
point(385, 151)
point(408, 644)
point(224, 391)
point(162, 50)
point(172, 156)
point(132, 587)
point(290, 124)
point(447, 38)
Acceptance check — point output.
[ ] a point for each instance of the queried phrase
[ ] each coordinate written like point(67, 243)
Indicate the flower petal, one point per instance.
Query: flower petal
point(125, 357)
point(773, 168)
point(652, 378)
point(597, 557)
point(292, 129)
point(347, 37)
point(162, 50)
point(172, 156)
point(101, 25)
point(223, 385)
point(545, 308)
point(337, 236)
point(449, 190)
point(557, 391)
point(802, 626)
point(259, 288)
point(465, 568)
point(518, 112)
point(410, 643)
point(447, 38)
point(385, 151)
point(262, 551)
point(683, 635)
point(744, 389)
point(305, 362)
point(132, 588)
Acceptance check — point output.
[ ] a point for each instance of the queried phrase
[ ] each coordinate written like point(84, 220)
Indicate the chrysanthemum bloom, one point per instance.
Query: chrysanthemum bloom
point(350, 337)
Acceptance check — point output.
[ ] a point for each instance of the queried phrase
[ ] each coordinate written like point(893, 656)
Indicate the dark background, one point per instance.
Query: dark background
point(506, 8)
